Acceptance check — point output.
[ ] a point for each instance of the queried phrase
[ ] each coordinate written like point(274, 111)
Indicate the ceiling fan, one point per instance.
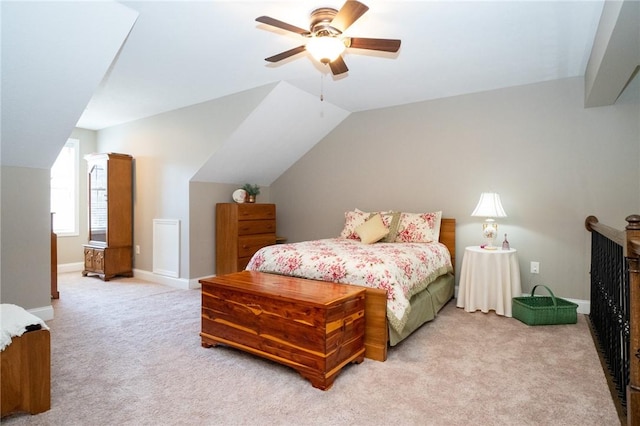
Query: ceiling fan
point(326, 41)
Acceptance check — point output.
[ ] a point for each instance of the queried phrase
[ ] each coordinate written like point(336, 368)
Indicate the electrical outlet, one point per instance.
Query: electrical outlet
point(535, 267)
point(137, 249)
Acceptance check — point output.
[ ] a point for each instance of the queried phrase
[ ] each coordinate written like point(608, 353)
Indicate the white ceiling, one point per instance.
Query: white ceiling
point(287, 123)
point(185, 52)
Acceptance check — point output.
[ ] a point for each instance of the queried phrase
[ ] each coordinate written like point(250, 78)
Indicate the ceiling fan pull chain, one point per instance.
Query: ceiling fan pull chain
point(321, 87)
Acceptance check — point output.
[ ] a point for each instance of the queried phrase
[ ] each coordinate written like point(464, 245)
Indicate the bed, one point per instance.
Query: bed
point(25, 362)
point(408, 274)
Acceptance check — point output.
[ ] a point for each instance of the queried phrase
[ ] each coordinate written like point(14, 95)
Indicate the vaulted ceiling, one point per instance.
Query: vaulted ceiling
point(185, 52)
point(100, 64)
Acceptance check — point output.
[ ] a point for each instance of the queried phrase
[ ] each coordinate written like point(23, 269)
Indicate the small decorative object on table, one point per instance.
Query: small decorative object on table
point(505, 243)
point(252, 191)
point(544, 310)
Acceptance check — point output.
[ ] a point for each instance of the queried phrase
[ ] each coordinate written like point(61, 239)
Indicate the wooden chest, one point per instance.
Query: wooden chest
point(312, 326)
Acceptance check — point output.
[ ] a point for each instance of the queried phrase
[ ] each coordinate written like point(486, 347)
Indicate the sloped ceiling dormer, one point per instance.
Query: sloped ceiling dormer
point(280, 130)
point(615, 56)
point(54, 56)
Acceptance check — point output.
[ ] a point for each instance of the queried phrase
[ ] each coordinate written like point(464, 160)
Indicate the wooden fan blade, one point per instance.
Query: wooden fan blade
point(383, 44)
point(350, 12)
point(338, 66)
point(282, 25)
point(286, 54)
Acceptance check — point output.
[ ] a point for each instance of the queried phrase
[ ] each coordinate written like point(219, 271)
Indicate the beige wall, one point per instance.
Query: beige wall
point(203, 197)
point(552, 161)
point(25, 239)
point(168, 149)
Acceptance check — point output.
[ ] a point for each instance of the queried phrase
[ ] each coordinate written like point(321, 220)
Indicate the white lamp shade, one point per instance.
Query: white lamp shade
point(325, 49)
point(489, 206)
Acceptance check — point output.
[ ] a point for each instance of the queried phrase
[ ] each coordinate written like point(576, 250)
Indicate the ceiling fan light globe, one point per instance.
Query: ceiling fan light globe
point(325, 49)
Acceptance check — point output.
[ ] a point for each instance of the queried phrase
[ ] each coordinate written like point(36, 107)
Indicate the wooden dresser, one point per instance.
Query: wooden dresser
point(242, 230)
point(312, 326)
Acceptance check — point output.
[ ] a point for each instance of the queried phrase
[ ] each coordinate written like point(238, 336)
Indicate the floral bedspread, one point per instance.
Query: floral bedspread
point(403, 269)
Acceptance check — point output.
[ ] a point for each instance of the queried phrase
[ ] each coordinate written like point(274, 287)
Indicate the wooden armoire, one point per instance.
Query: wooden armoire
point(109, 251)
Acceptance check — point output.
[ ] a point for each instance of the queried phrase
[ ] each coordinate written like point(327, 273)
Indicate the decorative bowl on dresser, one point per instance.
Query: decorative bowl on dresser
point(311, 326)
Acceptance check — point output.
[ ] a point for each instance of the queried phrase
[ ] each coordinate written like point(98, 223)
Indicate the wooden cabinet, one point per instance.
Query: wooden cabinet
point(109, 251)
point(312, 326)
point(55, 294)
point(242, 230)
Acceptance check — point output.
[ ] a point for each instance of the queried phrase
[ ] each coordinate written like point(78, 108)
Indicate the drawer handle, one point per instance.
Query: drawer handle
point(255, 308)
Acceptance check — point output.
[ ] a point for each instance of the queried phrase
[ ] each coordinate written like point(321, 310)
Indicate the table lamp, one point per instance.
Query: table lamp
point(489, 207)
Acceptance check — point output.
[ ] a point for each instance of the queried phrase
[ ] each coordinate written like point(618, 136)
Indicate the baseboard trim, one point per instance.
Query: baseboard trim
point(181, 283)
point(195, 282)
point(45, 313)
point(70, 267)
point(142, 274)
point(584, 306)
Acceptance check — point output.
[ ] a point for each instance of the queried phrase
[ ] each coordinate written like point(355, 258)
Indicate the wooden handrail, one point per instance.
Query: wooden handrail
point(629, 239)
point(615, 235)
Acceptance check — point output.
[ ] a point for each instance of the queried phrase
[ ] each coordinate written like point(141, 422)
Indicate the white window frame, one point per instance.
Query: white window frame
point(73, 192)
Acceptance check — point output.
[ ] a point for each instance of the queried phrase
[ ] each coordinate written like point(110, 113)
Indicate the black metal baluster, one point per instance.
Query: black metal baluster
point(609, 313)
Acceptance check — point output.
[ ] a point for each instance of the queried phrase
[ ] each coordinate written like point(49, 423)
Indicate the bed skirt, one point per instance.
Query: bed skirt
point(425, 305)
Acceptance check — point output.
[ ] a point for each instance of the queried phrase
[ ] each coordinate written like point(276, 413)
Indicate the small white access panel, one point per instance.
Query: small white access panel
point(166, 247)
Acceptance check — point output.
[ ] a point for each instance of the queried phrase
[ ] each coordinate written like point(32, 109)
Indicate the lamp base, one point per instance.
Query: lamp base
point(489, 231)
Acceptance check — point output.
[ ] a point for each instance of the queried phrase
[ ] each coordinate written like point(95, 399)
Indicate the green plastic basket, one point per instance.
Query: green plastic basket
point(544, 310)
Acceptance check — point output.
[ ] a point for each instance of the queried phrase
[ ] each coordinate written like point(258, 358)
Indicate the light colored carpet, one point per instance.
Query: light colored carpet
point(127, 352)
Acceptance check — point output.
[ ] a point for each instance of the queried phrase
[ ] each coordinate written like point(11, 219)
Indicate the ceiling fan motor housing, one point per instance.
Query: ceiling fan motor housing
point(321, 22)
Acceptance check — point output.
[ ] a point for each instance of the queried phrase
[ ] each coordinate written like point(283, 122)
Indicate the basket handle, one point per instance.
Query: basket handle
point(553, 297)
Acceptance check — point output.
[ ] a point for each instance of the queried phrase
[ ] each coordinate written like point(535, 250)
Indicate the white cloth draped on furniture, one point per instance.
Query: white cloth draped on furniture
point(25, 361)
point(489, 280)
point(15, 321)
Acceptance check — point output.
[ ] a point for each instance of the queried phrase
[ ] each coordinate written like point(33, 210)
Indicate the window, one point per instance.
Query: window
point(64, 189)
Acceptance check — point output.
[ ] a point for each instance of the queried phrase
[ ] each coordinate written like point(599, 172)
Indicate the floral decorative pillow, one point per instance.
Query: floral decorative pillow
point(358, 217)
point(419, 227)
point(351, 221)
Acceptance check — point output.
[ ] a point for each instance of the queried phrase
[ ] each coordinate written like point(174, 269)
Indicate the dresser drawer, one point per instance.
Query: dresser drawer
point(256, 211)
point(251, 227)
point(249, 244)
